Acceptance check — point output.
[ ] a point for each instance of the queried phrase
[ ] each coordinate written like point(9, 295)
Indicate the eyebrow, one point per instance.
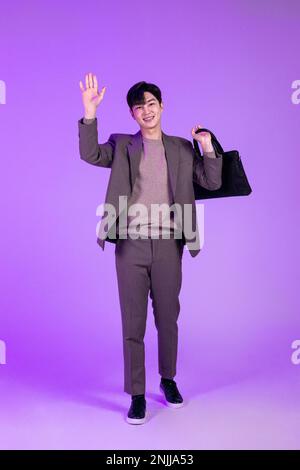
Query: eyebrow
point(147, 101)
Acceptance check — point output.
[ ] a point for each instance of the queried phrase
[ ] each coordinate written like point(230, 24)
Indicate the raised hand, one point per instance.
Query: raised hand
point(91, 97)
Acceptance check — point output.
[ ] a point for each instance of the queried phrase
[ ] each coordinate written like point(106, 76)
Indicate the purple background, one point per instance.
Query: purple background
point(227, 65)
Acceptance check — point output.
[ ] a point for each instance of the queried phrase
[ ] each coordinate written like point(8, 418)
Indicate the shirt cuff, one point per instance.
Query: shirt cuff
point(88, 121)
point(210, 154)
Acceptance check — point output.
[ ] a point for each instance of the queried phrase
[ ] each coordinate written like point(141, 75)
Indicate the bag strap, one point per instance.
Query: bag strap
point(215, 143)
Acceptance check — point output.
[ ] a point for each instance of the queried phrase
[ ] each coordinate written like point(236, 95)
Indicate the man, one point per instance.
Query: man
point(150, 169)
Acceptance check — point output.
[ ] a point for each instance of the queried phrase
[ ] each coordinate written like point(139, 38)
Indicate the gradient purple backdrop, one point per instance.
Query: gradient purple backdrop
point(228, 65)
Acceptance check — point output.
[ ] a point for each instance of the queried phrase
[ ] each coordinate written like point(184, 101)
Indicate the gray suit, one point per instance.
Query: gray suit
point(122, 153)
point(148, 265)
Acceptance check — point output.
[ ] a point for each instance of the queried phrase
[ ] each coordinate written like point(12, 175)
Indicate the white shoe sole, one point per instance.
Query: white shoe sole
point(136, 420)
point(168, 403)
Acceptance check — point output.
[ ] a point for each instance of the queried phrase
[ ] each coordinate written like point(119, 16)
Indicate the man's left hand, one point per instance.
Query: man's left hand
point(204, 138)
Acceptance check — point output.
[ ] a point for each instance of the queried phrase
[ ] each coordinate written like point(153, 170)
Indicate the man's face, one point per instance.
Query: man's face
point(150, 109)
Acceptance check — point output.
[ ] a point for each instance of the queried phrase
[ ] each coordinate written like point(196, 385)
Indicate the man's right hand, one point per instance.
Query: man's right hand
point(90, 96)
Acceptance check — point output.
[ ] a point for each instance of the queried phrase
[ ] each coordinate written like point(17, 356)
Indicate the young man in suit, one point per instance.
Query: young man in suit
point(152, 170)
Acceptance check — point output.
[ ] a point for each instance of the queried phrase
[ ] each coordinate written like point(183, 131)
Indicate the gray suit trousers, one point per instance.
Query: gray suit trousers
point(148, 266)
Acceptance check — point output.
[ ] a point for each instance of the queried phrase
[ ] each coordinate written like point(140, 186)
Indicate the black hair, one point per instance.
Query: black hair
point(135, 94)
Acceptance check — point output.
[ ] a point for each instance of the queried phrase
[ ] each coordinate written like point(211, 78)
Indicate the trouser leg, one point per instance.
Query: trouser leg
point(166, 280)
point(133, 258)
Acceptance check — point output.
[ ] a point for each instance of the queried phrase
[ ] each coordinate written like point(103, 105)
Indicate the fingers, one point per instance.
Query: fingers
point(195, 128)
point(90, 82)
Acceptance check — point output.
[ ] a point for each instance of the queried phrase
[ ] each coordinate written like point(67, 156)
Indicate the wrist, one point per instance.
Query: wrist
point(88, 115)
point(207, 148)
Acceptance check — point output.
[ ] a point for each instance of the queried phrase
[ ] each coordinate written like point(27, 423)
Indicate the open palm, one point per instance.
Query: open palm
point(91, 97)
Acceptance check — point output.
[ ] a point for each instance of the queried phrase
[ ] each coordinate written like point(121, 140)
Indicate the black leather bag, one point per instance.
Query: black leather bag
point(234, 179)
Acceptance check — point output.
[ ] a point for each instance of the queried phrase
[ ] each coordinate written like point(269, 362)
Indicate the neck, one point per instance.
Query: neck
point(155, 133)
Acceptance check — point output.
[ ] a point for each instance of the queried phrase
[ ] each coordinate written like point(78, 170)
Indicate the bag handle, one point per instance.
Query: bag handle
point(215, 143)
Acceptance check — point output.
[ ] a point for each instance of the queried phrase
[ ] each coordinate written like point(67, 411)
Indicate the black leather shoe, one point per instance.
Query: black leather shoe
point(171, 393)
point(137, 410)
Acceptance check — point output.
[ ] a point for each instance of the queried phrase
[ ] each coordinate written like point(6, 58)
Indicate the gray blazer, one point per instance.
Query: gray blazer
point(122, 154)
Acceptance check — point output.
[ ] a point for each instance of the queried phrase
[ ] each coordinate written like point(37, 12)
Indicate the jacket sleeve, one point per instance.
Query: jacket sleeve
point(89, 149)
point(207, 170)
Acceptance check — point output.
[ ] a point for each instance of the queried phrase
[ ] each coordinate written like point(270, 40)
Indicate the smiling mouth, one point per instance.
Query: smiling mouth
point(149, 119)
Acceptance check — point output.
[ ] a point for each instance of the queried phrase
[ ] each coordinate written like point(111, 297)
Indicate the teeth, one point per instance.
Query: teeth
point(148, 119)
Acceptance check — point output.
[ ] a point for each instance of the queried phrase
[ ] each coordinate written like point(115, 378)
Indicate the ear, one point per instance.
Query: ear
point(131, 113)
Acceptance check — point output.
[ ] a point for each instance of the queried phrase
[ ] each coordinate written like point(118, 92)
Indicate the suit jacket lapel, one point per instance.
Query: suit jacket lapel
point(172, 150)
